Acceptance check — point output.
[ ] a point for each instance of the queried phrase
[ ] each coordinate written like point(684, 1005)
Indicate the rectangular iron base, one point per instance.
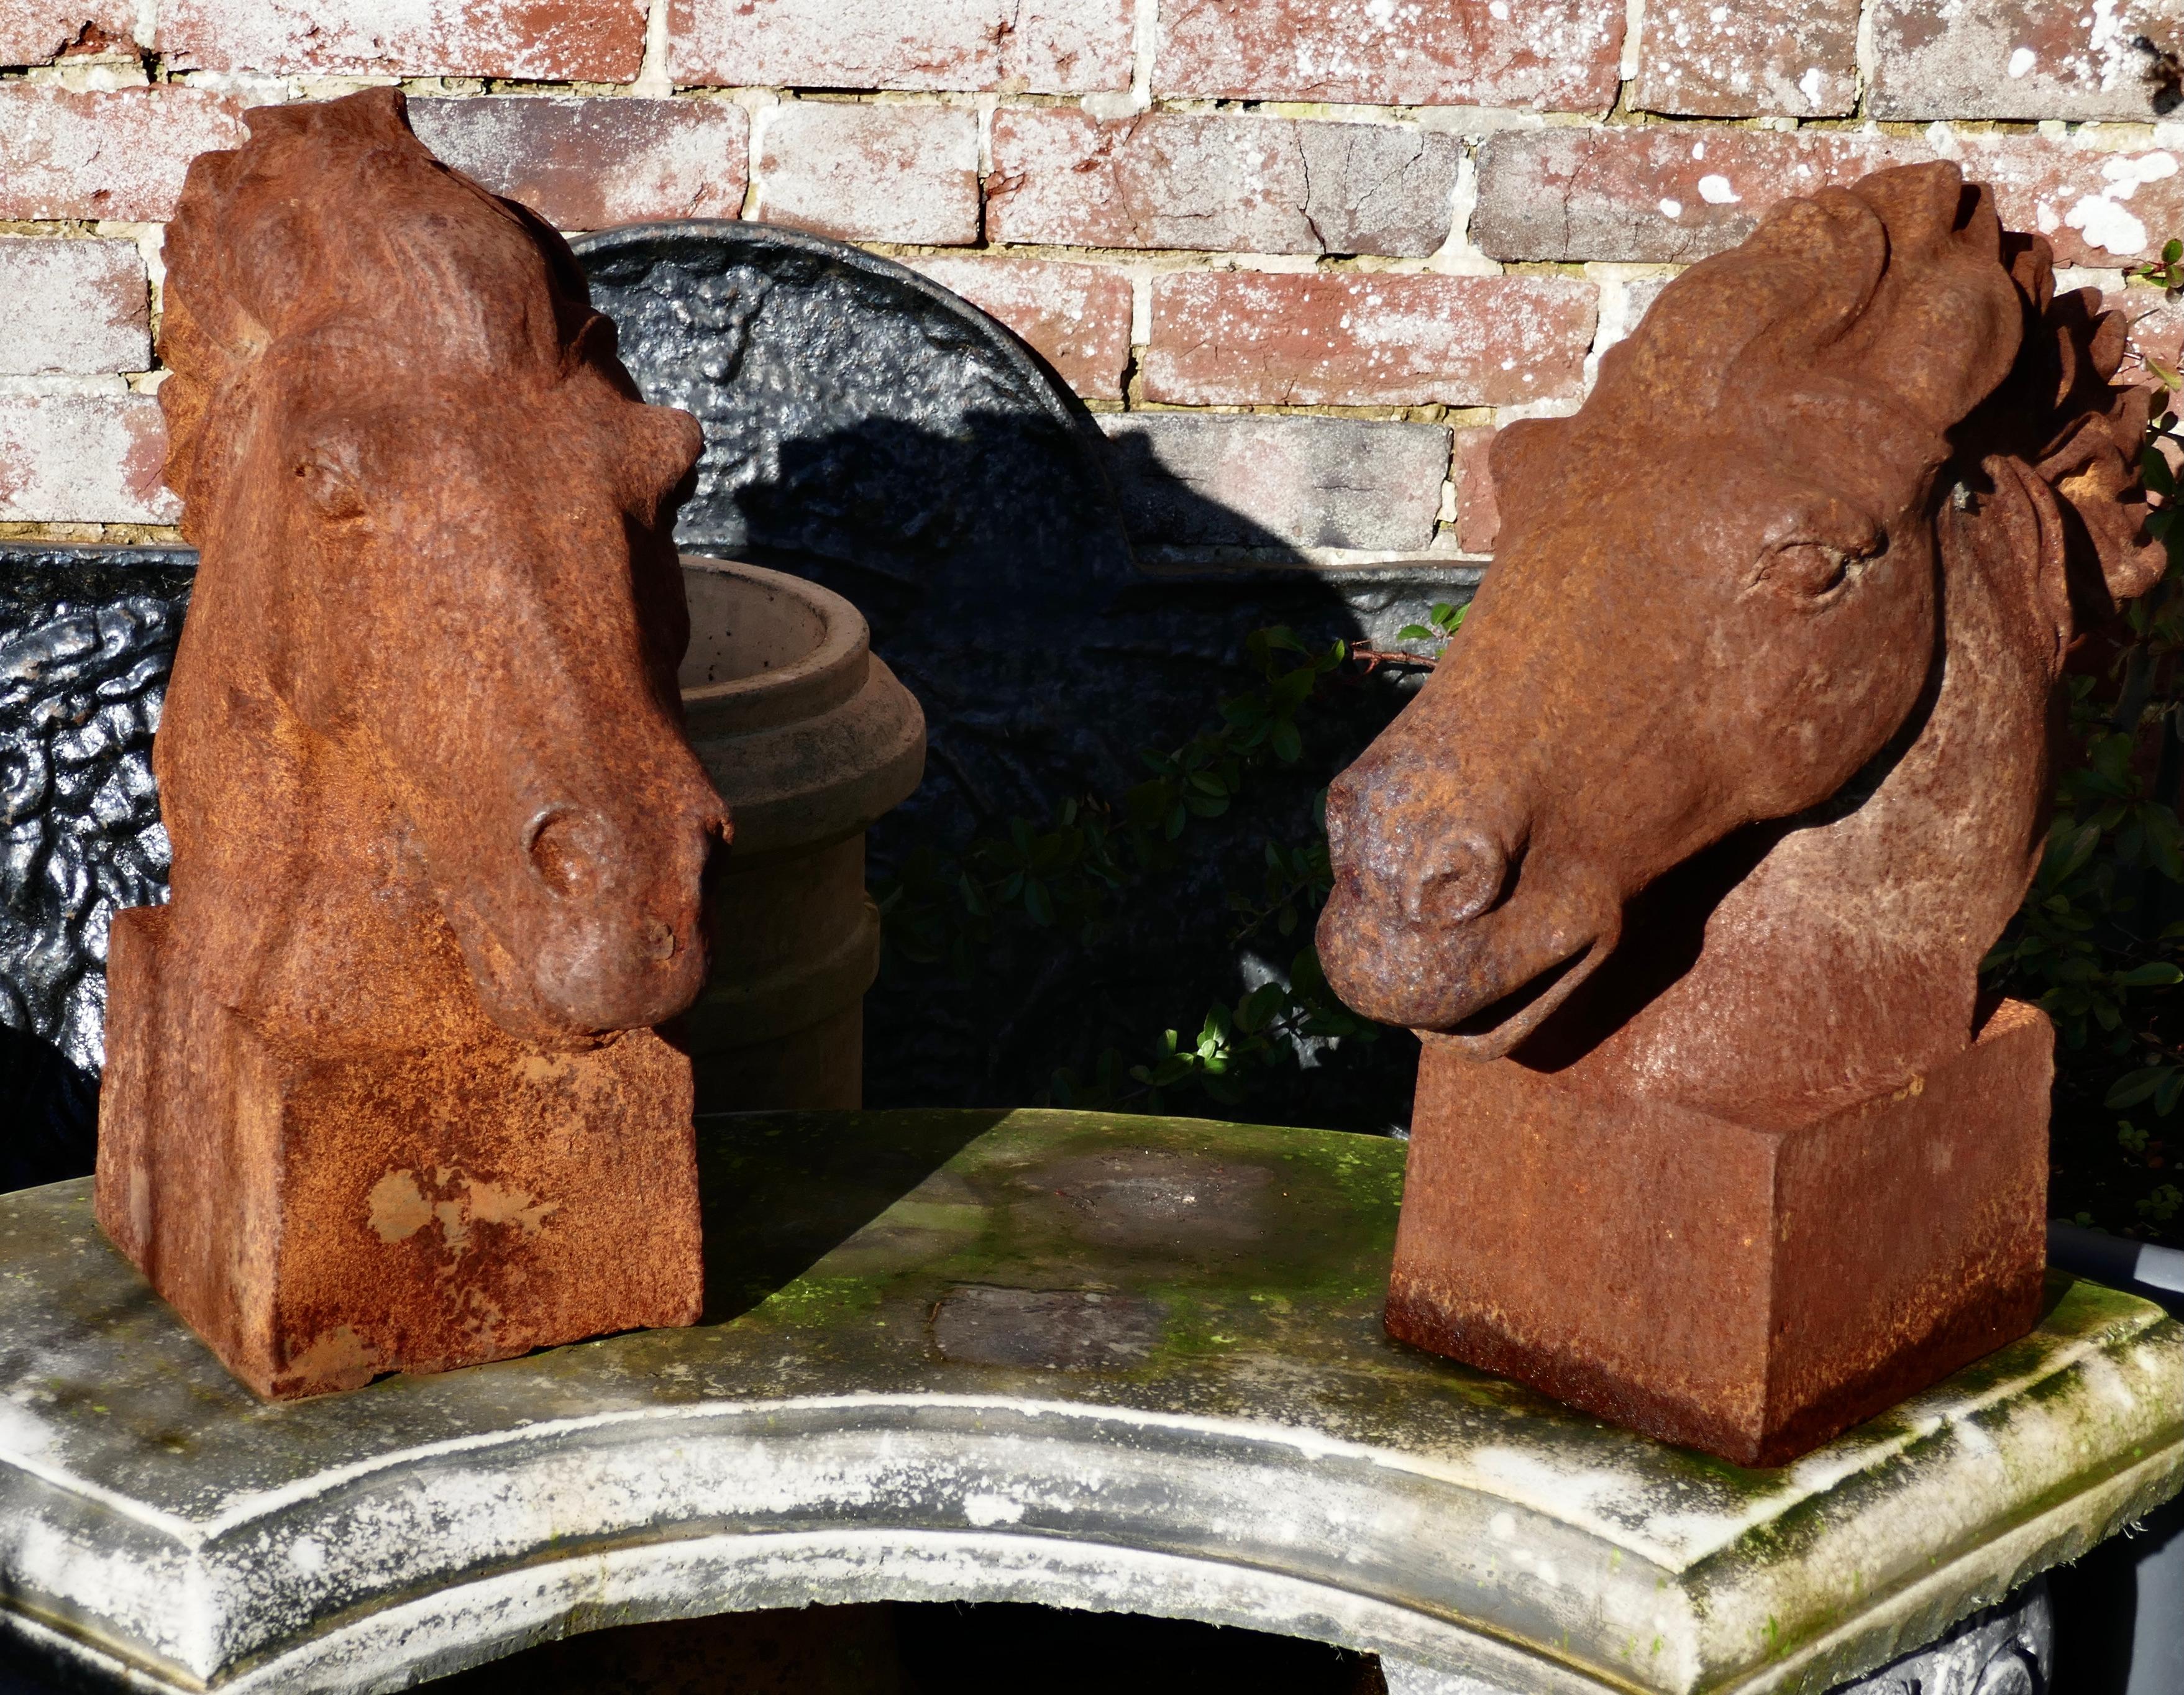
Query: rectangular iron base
point(1748, 1292)
point(319, 1219)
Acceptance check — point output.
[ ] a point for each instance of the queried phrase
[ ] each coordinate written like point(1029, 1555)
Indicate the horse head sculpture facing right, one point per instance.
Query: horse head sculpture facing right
point(1736, 768)
point(427, 686)
point(382, 1091)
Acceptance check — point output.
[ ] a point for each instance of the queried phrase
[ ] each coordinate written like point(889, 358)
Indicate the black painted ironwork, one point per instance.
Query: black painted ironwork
point(87, 636)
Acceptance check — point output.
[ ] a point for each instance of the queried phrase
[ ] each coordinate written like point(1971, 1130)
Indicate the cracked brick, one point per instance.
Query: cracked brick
point(1273, 482)
point(2027, 58)
point(1659, 194)
point(38, 31)
point(559, 40)
point(1346, 338)
point(73, 306)
point(119, 156)
point(1219, 183)
point(1478, 517)
point(1760, 58)
point(587, 163)
point(1076, 317)
point(83, 458)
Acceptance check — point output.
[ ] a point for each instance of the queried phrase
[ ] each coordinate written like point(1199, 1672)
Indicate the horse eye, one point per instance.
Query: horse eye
point(1808, 570)
point(331, 486)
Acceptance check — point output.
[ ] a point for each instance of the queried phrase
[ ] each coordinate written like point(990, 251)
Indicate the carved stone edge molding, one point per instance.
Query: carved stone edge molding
point(2006, 1650)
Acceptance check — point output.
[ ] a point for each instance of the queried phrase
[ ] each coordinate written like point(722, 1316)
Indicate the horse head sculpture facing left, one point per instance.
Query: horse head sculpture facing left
point(1736, 768)
point(433, 816)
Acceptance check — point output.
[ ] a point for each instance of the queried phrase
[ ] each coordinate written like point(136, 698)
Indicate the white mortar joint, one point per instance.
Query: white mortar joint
point(652, 81)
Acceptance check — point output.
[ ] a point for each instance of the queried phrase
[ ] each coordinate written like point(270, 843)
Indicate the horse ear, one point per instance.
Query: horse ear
point(1519, 454)
point(597, 344)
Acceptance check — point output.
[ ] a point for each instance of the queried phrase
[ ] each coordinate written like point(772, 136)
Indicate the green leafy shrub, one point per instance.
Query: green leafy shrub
point(2099, 940)
point(1076, 870)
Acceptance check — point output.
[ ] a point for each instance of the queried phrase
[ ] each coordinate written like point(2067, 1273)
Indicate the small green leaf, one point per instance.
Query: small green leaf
point(2129, 1091)
point(2150, 976)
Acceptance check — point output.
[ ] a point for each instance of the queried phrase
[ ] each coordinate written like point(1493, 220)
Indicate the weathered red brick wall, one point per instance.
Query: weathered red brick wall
point(1400, 222)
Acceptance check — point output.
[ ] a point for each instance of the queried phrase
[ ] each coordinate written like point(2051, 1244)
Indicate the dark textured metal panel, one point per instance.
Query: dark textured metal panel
point(868, 429)
point(87, 636)
point(856, 412)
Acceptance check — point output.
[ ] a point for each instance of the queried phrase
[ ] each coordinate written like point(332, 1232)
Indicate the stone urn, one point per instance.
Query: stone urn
point(809, 737)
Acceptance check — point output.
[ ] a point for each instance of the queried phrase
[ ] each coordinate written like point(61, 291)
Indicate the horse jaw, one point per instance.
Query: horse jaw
point(1481, 987)
point(1862, 933)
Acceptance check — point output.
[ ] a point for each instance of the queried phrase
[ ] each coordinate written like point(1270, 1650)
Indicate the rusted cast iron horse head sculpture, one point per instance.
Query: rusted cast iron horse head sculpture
point(438, 834)
point(1737, 767)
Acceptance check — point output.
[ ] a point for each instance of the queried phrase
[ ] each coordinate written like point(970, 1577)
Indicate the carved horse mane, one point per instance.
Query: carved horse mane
point(1903, 294)
point(1738, 767)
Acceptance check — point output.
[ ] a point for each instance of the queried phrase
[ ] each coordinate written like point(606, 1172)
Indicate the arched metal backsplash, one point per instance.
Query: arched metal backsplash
point(863, 426)
point(856, 412)
point(87, 637)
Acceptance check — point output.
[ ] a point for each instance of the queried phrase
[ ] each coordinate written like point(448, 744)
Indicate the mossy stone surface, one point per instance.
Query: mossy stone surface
point(1090, 1359)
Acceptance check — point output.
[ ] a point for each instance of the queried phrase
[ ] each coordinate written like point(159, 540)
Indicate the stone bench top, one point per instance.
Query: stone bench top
point(1087, 1359)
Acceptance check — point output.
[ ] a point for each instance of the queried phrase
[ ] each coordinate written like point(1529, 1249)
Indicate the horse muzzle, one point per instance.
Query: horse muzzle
point(599, 927)
point(1484, 984)
point(1443, 923)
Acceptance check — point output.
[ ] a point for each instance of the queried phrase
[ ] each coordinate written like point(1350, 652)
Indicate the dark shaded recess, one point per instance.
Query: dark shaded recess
point(929, 1648)
point(782, 1190)
point(869, 430)
point(2097, 1607)
point(86, 637)
point(892, 1648)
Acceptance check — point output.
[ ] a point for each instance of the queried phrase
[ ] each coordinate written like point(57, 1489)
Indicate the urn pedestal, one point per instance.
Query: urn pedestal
point(809, 739)
point(1748, 1291)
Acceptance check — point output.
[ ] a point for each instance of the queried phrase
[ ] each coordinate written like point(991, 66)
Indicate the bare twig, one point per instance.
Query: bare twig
point(1374, 658)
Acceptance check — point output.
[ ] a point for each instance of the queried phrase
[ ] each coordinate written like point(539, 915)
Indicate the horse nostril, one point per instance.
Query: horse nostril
point(1460, 879)
point(659, 939)
point(559, 852)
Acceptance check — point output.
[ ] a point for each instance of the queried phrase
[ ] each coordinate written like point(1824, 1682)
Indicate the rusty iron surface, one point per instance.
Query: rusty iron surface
point(382, 1091)
point(1738, 767)
point(1752, 1292)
